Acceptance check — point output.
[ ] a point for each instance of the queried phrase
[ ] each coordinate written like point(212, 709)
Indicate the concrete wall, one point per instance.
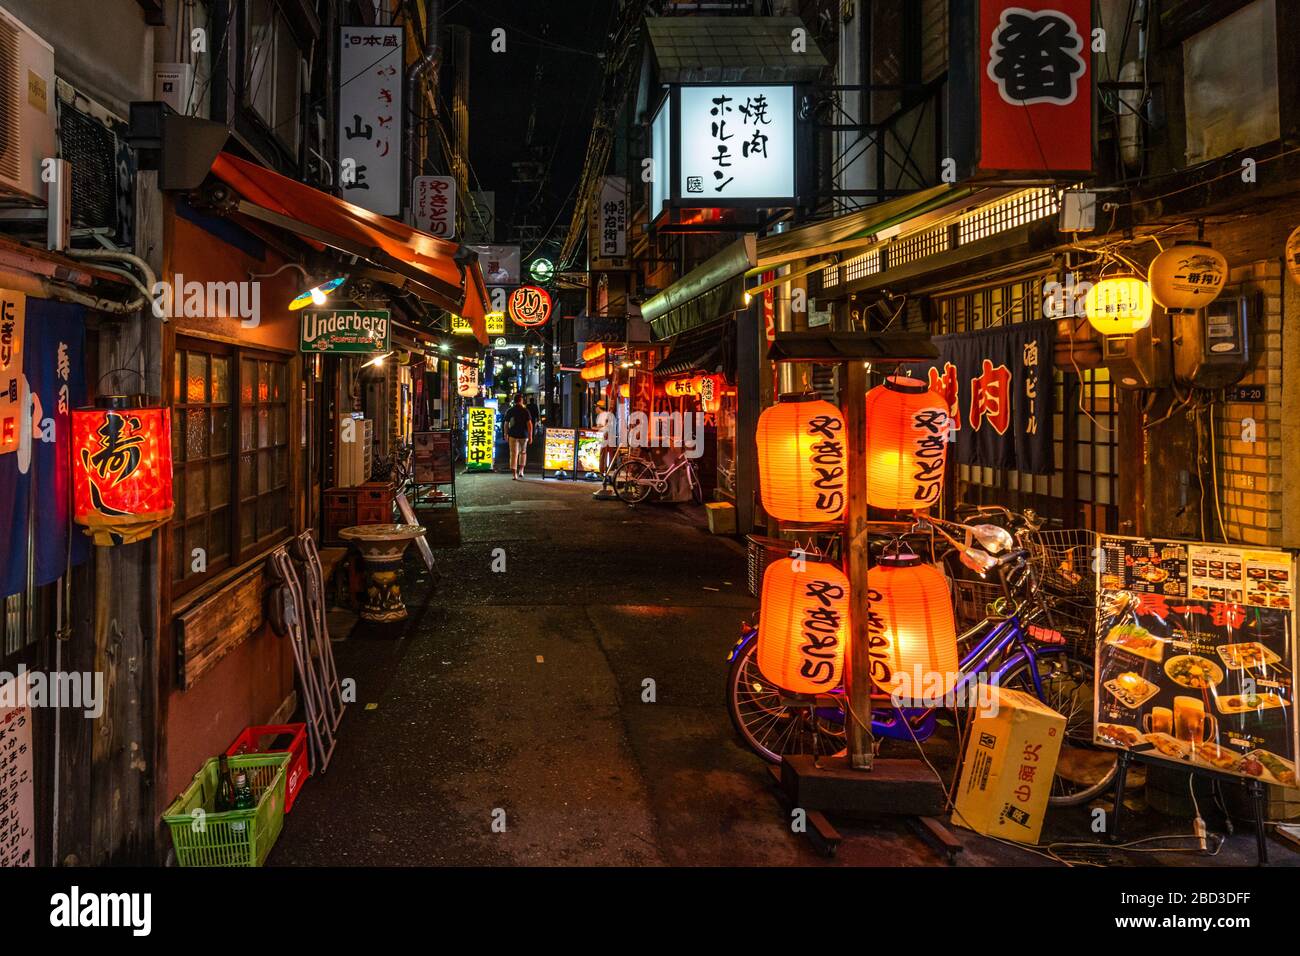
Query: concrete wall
point(103, 48)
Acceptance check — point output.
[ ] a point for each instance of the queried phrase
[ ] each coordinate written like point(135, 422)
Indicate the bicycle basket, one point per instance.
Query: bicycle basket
point(762, 551)
point(972, 600)
point(1062, 561)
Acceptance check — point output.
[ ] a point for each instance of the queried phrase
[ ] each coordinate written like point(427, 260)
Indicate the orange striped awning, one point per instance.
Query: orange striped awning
point(446, 274)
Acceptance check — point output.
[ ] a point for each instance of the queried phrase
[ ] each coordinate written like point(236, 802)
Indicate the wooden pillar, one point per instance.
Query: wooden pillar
point(857, 665)
point(749, 405)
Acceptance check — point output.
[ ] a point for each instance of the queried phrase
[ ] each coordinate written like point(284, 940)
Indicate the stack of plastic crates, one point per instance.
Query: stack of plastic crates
point(1062, 563)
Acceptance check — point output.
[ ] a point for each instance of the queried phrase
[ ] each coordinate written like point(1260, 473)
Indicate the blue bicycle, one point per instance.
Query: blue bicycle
point(1016, 645)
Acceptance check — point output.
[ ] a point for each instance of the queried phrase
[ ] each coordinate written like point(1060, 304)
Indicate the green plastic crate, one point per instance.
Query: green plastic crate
point(236, 837)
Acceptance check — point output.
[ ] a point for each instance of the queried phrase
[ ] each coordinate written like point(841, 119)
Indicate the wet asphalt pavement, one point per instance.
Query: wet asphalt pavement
point(517, 697)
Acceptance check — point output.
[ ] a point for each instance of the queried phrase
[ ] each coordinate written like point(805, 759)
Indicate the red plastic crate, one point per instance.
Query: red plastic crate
point(253, 740)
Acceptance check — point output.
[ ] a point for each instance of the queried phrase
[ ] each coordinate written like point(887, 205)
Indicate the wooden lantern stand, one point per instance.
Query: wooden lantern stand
point(859, 784)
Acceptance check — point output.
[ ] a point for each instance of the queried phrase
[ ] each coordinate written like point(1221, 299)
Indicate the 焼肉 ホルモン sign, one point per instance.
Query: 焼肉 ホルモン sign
point(345, 330)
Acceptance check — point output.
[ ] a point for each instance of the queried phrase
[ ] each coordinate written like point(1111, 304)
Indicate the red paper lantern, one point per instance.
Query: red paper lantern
point(801, 460)
point(529, 306)
point(710, 392)
point(803, 625)
point(907, 444)
point(911, 631)
point(121, 469)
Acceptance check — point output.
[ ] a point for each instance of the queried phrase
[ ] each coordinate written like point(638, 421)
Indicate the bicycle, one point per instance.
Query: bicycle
point(1013, 647)
point(636, 478)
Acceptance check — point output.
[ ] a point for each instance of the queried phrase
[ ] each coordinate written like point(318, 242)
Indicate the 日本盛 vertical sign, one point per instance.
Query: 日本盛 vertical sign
point(370, 117)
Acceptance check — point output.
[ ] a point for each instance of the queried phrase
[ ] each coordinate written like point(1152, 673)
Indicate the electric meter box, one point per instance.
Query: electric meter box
point(1142, 359)
point(1212, 345)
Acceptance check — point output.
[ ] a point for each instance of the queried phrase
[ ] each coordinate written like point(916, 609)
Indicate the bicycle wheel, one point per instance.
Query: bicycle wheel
point(772, 728)
point(632, 481)
point(1083, 770)
point(697, 489)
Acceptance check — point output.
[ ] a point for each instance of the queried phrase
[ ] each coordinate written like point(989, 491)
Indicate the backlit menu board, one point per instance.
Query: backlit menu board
point(559, 450)
point(590, 443)
point(1195, 655)
point(479, 438)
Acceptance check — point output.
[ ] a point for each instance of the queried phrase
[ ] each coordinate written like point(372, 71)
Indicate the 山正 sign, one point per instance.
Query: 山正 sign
point(345, 331)
point(370, 117)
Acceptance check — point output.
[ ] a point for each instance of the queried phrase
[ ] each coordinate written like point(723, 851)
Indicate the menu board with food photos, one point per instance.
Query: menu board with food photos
point(1196, 653)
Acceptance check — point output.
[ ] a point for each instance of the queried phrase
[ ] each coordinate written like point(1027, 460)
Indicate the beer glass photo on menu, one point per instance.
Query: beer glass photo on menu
point(1191, 723)
point(1159, 721)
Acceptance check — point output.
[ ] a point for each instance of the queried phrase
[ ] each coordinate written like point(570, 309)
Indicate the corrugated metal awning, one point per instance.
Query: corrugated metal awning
point(731, 50)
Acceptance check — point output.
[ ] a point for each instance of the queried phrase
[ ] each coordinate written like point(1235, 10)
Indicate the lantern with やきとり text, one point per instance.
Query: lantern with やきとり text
point(907, 444)
point(803, 625)
point(1187, 276)
point(1118, 305)
point(911, 630)
point(121, 469)
point(802, 465)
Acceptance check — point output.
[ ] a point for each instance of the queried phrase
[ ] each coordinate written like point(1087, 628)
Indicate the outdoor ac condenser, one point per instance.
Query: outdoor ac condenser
point(27, 111)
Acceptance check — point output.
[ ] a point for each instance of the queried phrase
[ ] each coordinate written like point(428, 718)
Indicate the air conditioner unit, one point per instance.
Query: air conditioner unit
point(27, 110)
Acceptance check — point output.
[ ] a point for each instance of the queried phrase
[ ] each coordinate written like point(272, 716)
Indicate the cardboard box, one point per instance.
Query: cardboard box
point(722, 517)
point(1006, 775)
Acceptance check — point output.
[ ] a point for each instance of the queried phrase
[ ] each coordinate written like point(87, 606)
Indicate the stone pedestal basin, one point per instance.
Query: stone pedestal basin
point(382, 547)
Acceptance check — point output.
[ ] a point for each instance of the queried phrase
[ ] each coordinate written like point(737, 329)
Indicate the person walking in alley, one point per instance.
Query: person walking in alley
point(519, 431)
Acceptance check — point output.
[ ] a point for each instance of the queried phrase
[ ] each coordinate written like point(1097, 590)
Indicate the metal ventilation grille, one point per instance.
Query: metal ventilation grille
point(10, 122)
point(91, 149)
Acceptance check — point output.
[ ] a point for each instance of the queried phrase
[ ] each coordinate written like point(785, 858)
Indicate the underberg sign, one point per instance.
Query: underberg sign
point(345, 330)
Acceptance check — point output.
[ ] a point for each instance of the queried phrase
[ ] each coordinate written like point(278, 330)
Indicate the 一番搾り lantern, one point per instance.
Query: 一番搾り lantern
point(803, 625)
point(1187, 276)
point(121, 469)
point(802, 466)
point(907, 444)
point(1119, 305)
point(911, 630)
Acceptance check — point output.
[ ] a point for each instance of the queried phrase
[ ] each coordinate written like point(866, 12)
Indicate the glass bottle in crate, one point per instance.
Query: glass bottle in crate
point(225, 796)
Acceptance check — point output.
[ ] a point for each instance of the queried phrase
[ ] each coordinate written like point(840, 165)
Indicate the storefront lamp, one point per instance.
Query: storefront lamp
point(912, 629)
point(907, 444)
point(801, 459)
point(803, 625)
point(1118, 305)
point(1187, 276)
point(121, 469)
point(317, 294)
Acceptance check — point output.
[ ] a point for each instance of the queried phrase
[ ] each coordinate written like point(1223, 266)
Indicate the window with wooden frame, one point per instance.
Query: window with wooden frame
point(230, 452)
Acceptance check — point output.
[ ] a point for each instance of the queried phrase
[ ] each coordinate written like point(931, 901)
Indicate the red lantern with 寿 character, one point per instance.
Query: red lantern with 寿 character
point(907, 444)
point(803, 625)
point(121, 469)
point(802, 463)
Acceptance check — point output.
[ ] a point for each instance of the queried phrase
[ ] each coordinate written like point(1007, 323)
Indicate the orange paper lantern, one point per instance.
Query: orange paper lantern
point(801, 460)
point(710, 392)
point(803, 625)
point(121, 470)
point(907, 444)
point(911, 631)
point(1187, 276)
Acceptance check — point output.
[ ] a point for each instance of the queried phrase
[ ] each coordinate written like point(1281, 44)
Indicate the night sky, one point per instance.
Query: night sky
point(561, 39)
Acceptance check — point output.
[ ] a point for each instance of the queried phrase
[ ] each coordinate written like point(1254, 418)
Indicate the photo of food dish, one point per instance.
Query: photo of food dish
point(1220, 758)
point(1280, 600)
point(1194, 671)
point(1256, 574)
point(1248, 703)
point(1118, 735)
point(1246, 655)
point(1278, 574)
point(1268, 766)
point(1216, 574)
point(1153, 574)
point(1234, 572)
point(1198, 567)
point(1260, 599)
point(1131, 689)
point(1137, 640)
point(1169, 746)
point(1200, 592)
